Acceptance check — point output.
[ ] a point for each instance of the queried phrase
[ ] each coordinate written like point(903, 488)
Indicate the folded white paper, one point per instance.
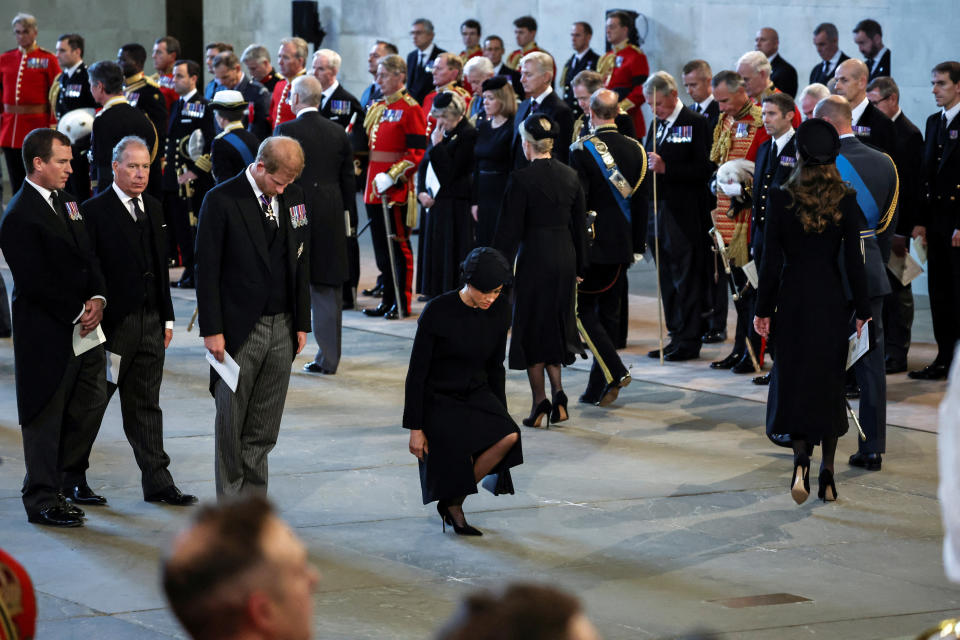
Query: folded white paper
point(919, 250)
point(750, 270)
point(228, 370)
point(87, 342)
point(431, 182)
point(856, 347)
point(113, 366)
point(905, 268)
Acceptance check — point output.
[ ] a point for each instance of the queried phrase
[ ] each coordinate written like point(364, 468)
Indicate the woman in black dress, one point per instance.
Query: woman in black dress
point(494, 155)
point(811, 219)
point(544, 215)
point(456, 404)
point(445, 176)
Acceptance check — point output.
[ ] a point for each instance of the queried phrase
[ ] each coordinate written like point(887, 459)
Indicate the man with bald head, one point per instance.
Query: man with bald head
point(253, 297)
point(783, 74)
point(869, 124)
point(874, 177)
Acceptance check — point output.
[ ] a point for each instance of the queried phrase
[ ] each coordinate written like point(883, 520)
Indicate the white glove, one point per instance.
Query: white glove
point(382, 182)
point(732, 189)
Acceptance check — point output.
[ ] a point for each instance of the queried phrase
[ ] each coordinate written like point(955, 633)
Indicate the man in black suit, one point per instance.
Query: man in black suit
point(116, 120)
point(73, 92)
point(58, 294)
point(678, 148)
point(186, 176)
point(826, 40)
point(938, 224)
point(234, 148)
point(536, 74)
point(884, 94)
point(329, 189)
point(336, 103)
point(253, 296)
point(126, 232)
point(144, 94)
point(783, 74)
point(868, 36)
point(583, 59)
point(419, 69)
point(874, 177)
point(870, 124)
point(493, 51)
point(229, 75)
point(697, 76)
point(619, 233)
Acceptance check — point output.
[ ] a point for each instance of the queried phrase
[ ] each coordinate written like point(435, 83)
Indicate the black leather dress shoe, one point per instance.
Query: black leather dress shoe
point(851, 391)
point(655, 353)
point(763, 380)
point(313, 367)
point(714, 337)
point(679, 355)
point(612, 390)
point(930, 372)
point(377, 312)
point(83, 494)
point(185, 283)
point(745, 365)
point(392, 313)
point(172, 495)
point(590, 396)
point(55, 517)
point(69, 508)
point(728, 362)
point(895, 366)
point(869, 461)
point(376, 292)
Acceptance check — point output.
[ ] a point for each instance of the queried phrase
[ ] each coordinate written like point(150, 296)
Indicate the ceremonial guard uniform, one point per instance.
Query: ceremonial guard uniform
point(397, 133)
point(145, 95)
point(428, 102)
point(513, 60)
point(181, 202)
point(623, 122)
point(625, 69)
point(26, 78)
point(280, 111)
point(270, 80)
point(69, 94)
point(232, 151)
point(587, 62)
point(611, 168)
point(165, 82)
point(116, 120)
point(737, 138)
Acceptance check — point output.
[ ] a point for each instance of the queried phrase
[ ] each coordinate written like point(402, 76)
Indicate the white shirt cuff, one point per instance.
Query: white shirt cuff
point(168, 324)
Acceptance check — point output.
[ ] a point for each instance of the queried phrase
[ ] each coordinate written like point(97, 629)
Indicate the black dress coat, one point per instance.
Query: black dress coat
point(909, 160)
point(109, 127)
point(455, 392)
point(341, 106)
point(771, 170)
point(257, 95)
point(570, 70)
point(328, 186)
point(448, 228)
point(494, 160)
point(557, 109)
point(801, 288)
point(54, 273)
point(881, 68)
point(419, 81)
point(543, 224)
point(784, 76)
point(514, 77)
point(817, 74)
point(876, 129)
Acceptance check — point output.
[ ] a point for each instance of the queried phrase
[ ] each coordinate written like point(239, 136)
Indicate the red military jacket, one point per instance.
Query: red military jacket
point(625, 69)
point(397, 133)
point(165, 82)
point(26, 79)
point(797, 117)
point(280, 111)
point(464, 57)
point(429, 98)
point(513, 60)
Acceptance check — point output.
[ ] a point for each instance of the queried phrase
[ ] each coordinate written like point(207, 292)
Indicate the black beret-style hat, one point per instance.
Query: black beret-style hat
point(540, 126)
point(817, 142)
point(494, 83)
point(486, 269)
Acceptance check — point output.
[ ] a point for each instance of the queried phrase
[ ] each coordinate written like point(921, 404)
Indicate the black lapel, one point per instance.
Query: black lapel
point(951, 143)
point(252, 216)
point(49, 218)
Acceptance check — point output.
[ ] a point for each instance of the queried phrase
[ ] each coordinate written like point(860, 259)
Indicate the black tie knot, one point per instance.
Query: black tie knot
point(137, 211)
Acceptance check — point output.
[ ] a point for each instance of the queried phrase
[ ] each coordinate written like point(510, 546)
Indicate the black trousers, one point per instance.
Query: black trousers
point(716, 292)
point(403, 255)
point(15, 169)
point(871, 375)
point(745, 307)
point(177, 213)
point(897, 320)
point(943, 271)
point(681, 278)
point(57, 441)
point(599, 299)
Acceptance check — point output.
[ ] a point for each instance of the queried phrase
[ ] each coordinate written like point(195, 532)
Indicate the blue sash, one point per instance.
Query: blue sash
point(864, 198)
point(621, 201)
point(240, 146)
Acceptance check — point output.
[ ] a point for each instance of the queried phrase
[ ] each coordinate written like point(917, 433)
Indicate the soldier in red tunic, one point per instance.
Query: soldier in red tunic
point(292, 60)
point(754, 67)
point(396, 130)
point(166, 51)
point(446, 74)
point(27, 74)
point(525, 31)
point(470, 33)
point(625, 68)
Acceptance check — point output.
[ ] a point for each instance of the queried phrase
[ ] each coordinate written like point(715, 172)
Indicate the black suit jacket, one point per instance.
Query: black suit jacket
point(876, 129)
point(419, 82)
point(225, 159)
point(769, 173)
point(109, 127)
point(233, 263)
point(688, 168)
point(817, 74)
point(329, 186)
point(341, 106)
point(54, 274)
point(784, 75)
point(570, 70)
point(557, 109)
point(257, 95)
point(616, 239)
point(909, 160)
point(74, 92)
point(883, 67)
point(941, 177)
point(114, 239)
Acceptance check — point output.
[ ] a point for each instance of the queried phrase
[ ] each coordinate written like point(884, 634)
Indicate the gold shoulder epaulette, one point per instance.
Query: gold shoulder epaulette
point(606, 63)
point(635, 48)
point(54, 92)
point(410, 100)
point(150, 81)
point(46, 51)
point(373, 114)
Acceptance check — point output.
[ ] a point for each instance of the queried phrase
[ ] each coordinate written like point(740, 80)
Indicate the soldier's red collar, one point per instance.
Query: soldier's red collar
point(619, 47)
point(33, 47)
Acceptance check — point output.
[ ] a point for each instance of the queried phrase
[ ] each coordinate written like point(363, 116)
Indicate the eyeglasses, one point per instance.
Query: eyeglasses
point(876, 102)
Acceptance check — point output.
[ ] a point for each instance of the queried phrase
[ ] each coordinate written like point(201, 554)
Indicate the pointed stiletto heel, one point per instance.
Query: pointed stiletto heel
point(800, 481)
point(446, 518)
point(827, 491)
point(559, 412)
point(540, 412)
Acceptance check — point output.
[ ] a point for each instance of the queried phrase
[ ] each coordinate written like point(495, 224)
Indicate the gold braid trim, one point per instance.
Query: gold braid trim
point(721, 143)
point(888, 216)
point(606, 64)
point(373, 116)
point(397, 170)
point(643, 166)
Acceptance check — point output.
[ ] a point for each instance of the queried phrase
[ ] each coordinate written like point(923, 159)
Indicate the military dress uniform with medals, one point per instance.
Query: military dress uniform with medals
point(280, 110)
point(232, 151)
point(69, 93)
point(586, 62)
point(611, 168)
point(625, 69)
point(26, 78)
point(396, 131)
point(270, 80)
point(513, 60)
point(165, 82)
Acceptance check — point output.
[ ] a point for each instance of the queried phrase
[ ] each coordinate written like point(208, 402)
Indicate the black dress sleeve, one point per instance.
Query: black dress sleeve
point(511, 221)
point(496, 375)
point(853, 256)
point(772, 262)
point(416, 385)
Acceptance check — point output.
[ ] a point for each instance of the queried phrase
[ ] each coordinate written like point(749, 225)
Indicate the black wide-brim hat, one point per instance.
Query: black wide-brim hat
point(817, 142)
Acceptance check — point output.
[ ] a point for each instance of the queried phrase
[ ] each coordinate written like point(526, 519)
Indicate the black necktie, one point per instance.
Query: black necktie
point(869, 62)
point(137, 211)
point(697, 108)
point(661, 130)
point(942, 133)
point(826, 67)
point(58, 206)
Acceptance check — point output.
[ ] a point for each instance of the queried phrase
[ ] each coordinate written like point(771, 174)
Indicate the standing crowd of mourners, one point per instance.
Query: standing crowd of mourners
point(531, 186)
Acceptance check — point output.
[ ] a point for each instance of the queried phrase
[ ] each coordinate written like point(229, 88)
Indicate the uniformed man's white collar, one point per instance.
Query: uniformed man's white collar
point(496, 69)
point(705, 103)
point(69, 72)
point(329, 90)
point(897, 114)
point(951, 113)
point(125, 198)
point(256, 189)
point(782, 141)
point(43, 192)
point(187, 97)
point(579, 56)
point(539, 99)
point(857, 111)
point(835, 59)
point(306, 110)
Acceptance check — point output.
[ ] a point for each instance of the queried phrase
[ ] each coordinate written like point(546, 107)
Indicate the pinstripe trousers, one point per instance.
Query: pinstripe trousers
point(248, 420)
point(138, 339)
point(326, 303)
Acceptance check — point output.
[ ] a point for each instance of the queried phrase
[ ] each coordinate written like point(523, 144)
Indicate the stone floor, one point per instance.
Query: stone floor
point(663, 512)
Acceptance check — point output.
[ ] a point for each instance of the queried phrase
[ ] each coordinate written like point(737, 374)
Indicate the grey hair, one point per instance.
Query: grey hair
point(27, 20)
point(308, 89)
point(816, 90)
point(731, 79)
point(757, 60)
point(125, 142)
point(543, 61)
point(332, 57)
point(539, 146)
point(456, 108)
point(394, 64)
point(661, 82)
point(479, 64)
point(299, 45)
point(255, 53)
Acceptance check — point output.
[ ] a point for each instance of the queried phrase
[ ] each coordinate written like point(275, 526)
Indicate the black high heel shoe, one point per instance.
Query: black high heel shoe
point(800, 481)
point(446, 518)
point(827, 491)
point(540, 412)
point(559, 412)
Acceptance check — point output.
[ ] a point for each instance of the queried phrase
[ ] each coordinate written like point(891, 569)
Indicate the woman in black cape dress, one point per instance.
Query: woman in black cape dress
point(455, 403)
point(544, 215)
point(801, 287)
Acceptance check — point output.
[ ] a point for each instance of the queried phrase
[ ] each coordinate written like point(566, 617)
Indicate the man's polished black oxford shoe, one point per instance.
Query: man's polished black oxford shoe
point(55, 517)
point(171, 495)
point(930, 372)
point(728, 362)
point(83, 494)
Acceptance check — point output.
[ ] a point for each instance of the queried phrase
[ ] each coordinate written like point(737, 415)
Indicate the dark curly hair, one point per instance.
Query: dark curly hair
point(816, 191)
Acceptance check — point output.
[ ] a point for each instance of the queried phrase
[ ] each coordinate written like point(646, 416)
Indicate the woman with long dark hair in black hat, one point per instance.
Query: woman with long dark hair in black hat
point(811, 219)
point(456, 403)
point(543, 223)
